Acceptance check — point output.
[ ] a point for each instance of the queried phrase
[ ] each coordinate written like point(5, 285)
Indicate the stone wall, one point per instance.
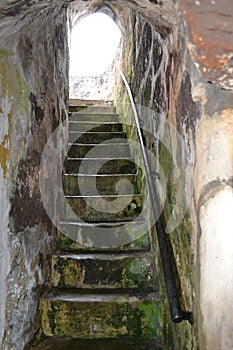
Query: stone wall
point(155, 68)
point(34, 91)
point(163, 78)
point(198, 173)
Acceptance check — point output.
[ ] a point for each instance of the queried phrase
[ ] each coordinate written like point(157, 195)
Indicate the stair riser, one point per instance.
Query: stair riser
point(122, 208)
point(58, 343)
point(95, 137)
point(95, 127)
point(99, 151)
point(114, 166)
point(106, 272)
point(88, 320)
point(78, 238)
point(93, 109)
point(105, 185)
point(94, 117)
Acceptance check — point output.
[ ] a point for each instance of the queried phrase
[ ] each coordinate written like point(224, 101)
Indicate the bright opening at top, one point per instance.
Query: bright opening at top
point(94, 43)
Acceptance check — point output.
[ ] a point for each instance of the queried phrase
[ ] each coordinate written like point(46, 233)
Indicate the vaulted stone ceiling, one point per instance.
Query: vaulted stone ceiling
point(209, 21)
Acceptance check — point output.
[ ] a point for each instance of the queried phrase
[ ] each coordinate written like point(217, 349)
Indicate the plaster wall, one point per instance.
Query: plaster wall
point(34, 92)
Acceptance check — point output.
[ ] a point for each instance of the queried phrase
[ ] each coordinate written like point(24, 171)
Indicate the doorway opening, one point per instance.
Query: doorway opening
point(95, 50)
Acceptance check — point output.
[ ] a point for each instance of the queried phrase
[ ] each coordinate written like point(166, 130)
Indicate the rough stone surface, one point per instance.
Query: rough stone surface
point(33, 96)
point(104, 316)
point(159, 78)
point(211, 28)
point(163, 77)
point(33, 88)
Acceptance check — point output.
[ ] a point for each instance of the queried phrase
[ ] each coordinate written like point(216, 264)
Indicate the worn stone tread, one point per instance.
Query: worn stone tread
point(116, 150)
point(101, 314)
point(104, 165)
point(104, 184)
point(103, 256)
point(128, 235)
point(95, 107)
point(92, 116)
point(98, 208)
point(101, 344)
point(102, 270)
point(85, 126)
point(97, 137)
point(79, 296)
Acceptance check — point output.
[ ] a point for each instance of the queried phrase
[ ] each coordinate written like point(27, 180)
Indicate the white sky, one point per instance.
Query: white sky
point(94, 41)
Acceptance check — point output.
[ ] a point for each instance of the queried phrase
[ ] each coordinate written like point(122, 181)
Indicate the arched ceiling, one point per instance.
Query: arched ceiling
point(210, 24)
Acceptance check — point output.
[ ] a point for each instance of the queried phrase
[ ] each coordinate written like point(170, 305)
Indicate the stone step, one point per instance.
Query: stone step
point(97, 208)
point(76, 237)
point(86, 315)
point(94, 116)
point(66, 343)
point(110, 271)
point(102, 150)
point(105, 184)
point(100, 166)
point(92, 109)
point(95, 126)
point(97, 137)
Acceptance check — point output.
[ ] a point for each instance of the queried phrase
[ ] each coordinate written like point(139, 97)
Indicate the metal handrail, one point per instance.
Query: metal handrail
point(177, 314)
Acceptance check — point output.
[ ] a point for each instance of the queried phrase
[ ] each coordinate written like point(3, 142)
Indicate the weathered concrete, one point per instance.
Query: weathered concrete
point(34, 82)
point(163, 77)
point(211, 27)
point(33, 96)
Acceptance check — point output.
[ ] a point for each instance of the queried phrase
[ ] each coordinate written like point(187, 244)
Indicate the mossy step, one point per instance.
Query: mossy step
point(101, 315)
point(77, 236)
point(104, 184)
point(100, 166)
point(97, 137)
point(97, 208)
point(64, 343)
point(103, 271)
point(85, 126)
point(92, 109)
point(94, 116)
point(117, 150)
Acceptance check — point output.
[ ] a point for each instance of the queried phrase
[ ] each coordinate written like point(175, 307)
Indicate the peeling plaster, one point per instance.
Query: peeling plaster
point(216, 278)
point(4, 251)
point(4, 138)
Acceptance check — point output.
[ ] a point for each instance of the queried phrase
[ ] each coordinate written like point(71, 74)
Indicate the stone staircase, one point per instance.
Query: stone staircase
point(103, 277)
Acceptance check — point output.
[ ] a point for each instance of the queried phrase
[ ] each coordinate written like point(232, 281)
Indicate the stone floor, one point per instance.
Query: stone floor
point(72, 344)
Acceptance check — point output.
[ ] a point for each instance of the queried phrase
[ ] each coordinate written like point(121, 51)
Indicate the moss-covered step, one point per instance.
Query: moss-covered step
point(94, 126)
point(109, 236)
point(96, 137)
point(92, 109)
point(94, 116)
point(117, 150)
point(64, 343)
point(98, 208)
point(100, 166)
point(105, 184)
point(103, 315)
point(102, 270)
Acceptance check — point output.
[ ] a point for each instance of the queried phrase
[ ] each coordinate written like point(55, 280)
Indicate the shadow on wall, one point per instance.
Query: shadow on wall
point(95, 50)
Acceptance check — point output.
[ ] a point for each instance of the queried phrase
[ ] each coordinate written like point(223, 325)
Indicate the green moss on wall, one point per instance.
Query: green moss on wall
point(14, 101)
point(147, 93)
